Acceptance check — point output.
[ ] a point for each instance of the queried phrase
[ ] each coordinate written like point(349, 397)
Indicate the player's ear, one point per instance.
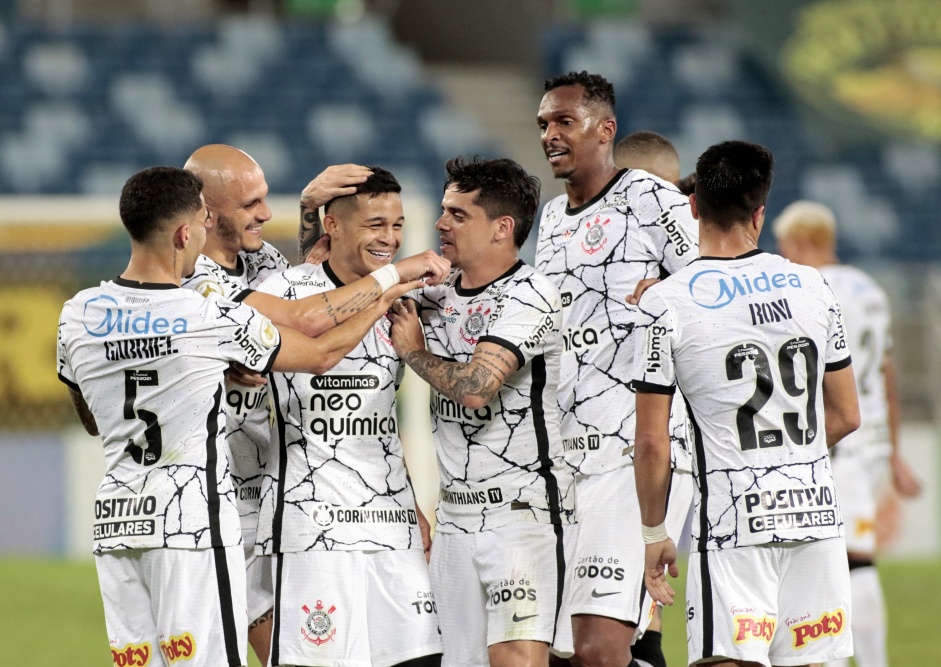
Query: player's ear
point(330, 224)
point(608, 129)
point(758, 218)
point(505, 226)
point(693, 209)
point(210, 218)
point(181, 236)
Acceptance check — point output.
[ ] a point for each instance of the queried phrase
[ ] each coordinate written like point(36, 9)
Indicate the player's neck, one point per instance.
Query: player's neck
point(220, 254)
point(486, 270)
point(714, 242)
point(588, 182)
point(147, 266)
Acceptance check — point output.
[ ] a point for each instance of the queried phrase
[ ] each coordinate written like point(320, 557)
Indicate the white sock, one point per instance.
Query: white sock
point(869, 623)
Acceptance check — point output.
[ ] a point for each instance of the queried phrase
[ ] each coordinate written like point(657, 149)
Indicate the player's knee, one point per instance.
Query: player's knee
point(589, 652)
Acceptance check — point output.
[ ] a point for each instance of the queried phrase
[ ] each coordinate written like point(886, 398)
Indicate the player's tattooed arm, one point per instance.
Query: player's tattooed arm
point(335, 181)
point(473, 384)
point(84, 414)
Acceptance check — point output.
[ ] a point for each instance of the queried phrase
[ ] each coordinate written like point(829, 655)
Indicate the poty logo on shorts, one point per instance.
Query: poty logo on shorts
point(318, 627)
point(176, 648)
point(595, 238)
point(102, 316)
point(132, 655)
point(714, 289)
point(475, 323)
point(828, 625)
point(748, 628)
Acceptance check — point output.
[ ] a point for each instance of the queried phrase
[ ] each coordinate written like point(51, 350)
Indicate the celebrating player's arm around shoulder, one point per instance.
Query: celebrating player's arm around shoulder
point(757, 346)
point(337, 505)
point(492, 360)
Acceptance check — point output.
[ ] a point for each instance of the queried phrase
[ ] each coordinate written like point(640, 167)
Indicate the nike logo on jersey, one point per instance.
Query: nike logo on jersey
point(517, 619)
point(596, 594)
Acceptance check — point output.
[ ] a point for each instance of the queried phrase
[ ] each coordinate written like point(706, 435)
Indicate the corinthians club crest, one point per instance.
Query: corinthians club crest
point(595, 238)
point(318, 628)
point(475, 323)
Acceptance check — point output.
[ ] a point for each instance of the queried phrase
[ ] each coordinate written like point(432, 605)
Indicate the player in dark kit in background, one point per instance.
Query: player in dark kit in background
point(492, 360)
point(145, 360)
point(757, 346)
point(613, 233)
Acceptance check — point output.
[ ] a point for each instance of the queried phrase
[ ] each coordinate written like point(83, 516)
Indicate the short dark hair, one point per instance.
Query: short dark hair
point(732, 180)
point(597, 89)
point(379, 183)
point(646, 142)
point(156, 195)
point(687, 184)
point(505, 189)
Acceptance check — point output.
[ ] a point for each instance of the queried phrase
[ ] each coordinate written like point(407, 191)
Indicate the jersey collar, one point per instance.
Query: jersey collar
point(124, 282)
point(598, 197)
point(750, 253)
point(331, 275)
point(479, 290)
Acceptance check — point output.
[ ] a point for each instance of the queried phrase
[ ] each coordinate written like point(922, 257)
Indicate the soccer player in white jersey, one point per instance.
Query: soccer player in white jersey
point(612, 233)
point(144, 361)
point(338, 513)
point(756, 344)
point(649, 151)
point(235, 260)
point(492, 360)
point(806, 234)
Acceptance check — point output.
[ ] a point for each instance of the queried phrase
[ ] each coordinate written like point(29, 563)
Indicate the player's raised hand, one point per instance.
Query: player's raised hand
point(338, 180)
point(427, 266)
point(406, 330)
point(639, 290)
point(657, 556)
point(320, 253)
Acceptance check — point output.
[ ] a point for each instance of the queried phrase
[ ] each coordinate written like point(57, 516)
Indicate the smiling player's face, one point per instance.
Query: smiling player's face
point(368, 237)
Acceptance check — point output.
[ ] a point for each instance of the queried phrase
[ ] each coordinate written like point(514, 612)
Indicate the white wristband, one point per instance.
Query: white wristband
point(654, 534)
point(387, 277)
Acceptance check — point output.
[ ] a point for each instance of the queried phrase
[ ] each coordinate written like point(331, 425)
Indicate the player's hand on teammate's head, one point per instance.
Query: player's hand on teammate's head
point(427, 266)
point(657, 556)
point(320, 253)
point(639, 290)
point(338, 180)
point(407, 335)
point(904, 480)
point(246, 377)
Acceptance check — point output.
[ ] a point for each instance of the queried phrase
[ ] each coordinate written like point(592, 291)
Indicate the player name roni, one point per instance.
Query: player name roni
point(139, 348)
point(444, 407)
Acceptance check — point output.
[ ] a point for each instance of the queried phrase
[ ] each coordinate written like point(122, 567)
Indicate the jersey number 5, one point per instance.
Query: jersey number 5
point(152, 434)
point(748, 437)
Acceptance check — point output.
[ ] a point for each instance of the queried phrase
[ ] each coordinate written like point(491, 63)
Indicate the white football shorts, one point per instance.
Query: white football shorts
point(857, 479)
point(188, 604)
point(496, 586)
point(353, 608)
point(783, 604)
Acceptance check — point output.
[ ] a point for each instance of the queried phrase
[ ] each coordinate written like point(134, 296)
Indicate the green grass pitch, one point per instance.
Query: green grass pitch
point(50, 615)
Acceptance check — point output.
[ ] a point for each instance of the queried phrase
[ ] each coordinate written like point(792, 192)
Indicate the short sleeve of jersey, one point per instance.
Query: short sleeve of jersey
point(672, 232)
point(276, 284)
point(652, 368)
point(838, 356)
point(524, 317)
point(62, 357)
point(249, 337)
point(208, 279)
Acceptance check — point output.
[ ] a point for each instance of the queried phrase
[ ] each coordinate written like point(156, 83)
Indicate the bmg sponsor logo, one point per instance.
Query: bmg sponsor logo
point(748, 628)
point(714, 289)
point(132, 655)
point(178, 647)
point(675, 233)
point(830, 624)
point(102, 316)
point(654, 348)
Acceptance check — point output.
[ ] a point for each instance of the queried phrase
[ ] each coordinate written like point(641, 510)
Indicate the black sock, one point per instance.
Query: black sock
point(649, 648)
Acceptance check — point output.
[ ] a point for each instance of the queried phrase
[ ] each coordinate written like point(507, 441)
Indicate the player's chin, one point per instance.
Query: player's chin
point(562, 169)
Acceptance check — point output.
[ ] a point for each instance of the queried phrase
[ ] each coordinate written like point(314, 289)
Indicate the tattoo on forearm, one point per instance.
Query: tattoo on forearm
point(310, 231)
point(455, 380)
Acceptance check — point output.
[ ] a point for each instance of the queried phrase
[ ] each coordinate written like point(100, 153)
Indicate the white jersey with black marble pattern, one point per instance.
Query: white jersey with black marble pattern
point(247, 409)
point(867, 316)
point(748, 340)
point(336, 477)
point(501, 463)
point(149, 361)
point(638, 227)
